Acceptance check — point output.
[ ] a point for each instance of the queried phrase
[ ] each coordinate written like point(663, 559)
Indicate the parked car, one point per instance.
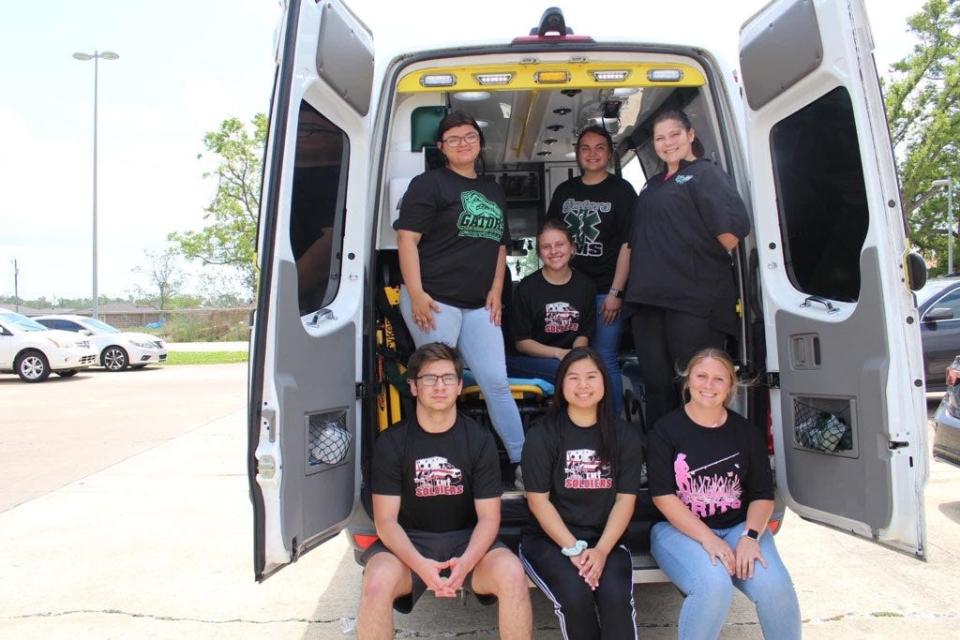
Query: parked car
point(118, 349)
point(32, 351)
point(939, 305)
point(946, 437)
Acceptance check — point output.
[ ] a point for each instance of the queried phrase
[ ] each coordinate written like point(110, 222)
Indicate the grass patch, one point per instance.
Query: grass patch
point(206, 357)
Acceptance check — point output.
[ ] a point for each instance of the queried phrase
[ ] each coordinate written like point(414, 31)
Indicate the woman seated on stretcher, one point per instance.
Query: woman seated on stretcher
point(554, 309)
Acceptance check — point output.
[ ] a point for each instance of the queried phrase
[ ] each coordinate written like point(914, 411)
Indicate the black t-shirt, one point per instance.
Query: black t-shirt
point(437, 475)
point(716, 472)
point(676, 261)
point(463, 222)
point(561, 458)
point(598, 215)
point(551, 314)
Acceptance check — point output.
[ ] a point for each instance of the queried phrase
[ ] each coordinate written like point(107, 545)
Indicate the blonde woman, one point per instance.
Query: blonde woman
point(709, 475)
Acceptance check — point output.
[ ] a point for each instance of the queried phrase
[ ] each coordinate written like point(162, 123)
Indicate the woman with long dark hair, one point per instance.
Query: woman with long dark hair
point(451, 238)
point(681, 290)
point(596, 206)
point(581, 470)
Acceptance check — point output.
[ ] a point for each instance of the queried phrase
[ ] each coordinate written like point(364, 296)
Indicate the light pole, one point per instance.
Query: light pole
point(95, 56)
point(948, 183)
point(16, 286)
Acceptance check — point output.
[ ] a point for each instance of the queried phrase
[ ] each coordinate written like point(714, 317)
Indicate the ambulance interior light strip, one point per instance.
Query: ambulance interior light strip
point(570, 75)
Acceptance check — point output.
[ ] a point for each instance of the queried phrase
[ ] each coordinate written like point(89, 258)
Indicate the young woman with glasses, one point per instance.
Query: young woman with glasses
point(451, 236)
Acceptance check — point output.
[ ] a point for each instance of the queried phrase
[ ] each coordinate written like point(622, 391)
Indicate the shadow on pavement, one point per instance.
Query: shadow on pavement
point(951, 510)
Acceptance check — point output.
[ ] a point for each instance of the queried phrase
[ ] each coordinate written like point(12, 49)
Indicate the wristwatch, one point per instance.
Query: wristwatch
point(753, 534)
point(572, 552)
point(616, 292)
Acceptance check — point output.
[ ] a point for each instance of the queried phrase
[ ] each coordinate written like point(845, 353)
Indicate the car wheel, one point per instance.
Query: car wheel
point(68, 373)
point(32, 366)
point(114, 358)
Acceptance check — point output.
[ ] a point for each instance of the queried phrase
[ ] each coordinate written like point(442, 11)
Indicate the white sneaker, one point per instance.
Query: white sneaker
point(518, 479)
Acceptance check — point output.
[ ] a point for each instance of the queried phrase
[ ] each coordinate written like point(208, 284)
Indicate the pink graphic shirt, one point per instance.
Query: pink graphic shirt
point(706, 494)
point(583, 469)
point(436, 476)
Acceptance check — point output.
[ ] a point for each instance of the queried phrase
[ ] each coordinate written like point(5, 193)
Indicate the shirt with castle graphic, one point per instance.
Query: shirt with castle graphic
point(716, 472)
point(598, 216)
point(463, 223)
point(561, 458)
point(437, 475)
point(554, 315)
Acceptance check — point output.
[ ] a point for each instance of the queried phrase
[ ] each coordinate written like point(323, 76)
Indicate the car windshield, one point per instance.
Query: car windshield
point(23, 323)
point(99, 327)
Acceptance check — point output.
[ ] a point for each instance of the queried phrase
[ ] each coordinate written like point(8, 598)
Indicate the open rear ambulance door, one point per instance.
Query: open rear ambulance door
point(843, 344)
point(303, 435)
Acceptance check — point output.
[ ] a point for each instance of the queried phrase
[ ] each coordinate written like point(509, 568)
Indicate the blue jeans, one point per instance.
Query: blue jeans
point(480, 343)
point(606, 342)
point(519, 366)
point(709, 588)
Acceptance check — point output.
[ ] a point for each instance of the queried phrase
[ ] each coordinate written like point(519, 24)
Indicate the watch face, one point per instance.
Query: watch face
point(753, 534)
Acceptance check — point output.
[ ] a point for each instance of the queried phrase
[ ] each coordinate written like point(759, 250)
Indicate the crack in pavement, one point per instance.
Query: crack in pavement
point(900, 615)
point(409, 633)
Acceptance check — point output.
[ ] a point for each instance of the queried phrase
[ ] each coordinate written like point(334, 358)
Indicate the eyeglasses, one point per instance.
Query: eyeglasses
point(456, 141)
point(431, 379)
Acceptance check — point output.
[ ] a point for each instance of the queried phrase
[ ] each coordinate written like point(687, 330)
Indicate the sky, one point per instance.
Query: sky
point(185, 66)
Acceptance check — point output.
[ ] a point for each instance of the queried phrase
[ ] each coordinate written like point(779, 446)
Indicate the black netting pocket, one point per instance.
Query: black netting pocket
point(816, 428)
point(328, 439)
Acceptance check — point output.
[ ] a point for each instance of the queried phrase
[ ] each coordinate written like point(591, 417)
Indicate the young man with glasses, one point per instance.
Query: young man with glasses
point(436, 505)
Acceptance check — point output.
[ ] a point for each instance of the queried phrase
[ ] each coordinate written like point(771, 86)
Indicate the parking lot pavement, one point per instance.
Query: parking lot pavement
point(208, 346)
point(64, 429)
point(159, 545)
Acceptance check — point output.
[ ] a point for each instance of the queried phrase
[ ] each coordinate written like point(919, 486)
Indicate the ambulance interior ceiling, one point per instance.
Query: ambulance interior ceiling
point(531, 127)
point(541, 126)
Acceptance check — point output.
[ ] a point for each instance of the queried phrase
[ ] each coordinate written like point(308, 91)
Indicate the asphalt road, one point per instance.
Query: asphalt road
point(125, 514)
point(58, 431)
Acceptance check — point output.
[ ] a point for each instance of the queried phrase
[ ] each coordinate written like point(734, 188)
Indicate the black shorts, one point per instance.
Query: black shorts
point(436, 546)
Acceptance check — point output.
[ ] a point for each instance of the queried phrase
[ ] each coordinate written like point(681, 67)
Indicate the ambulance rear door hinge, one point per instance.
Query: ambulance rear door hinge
point(363, 390)
point(773, 379)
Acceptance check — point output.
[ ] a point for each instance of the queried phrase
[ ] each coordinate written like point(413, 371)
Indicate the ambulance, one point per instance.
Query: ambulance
point(828, 323)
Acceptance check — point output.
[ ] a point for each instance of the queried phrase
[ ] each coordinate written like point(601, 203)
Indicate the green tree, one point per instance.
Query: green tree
point(231, 218)
point(164, 278)
point(923, 110)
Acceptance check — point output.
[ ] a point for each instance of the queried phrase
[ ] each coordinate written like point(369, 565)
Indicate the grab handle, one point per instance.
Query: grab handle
point(821, 300)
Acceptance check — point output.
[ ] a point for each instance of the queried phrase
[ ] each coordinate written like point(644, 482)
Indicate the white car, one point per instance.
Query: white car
point(32, 351)
point(118, 349)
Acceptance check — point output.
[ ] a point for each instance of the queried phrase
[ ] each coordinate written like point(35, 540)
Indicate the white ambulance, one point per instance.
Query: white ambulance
point(828, 320)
